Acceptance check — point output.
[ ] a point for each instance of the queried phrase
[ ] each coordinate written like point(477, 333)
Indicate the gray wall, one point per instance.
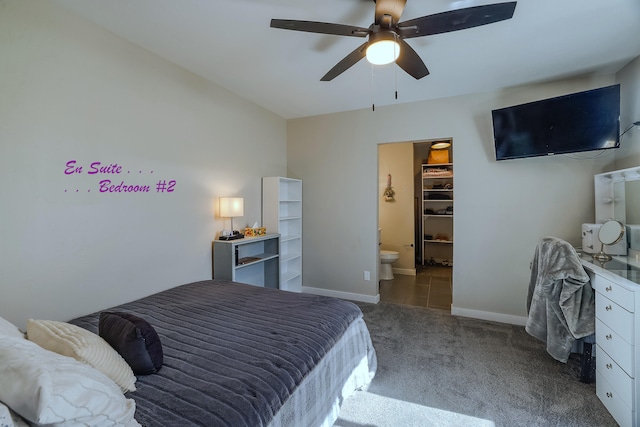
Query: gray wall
point(629, 153)
point(70, 91)
point(502, 208)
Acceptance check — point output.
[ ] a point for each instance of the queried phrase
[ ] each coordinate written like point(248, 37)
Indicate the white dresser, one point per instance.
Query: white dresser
point(617, 336)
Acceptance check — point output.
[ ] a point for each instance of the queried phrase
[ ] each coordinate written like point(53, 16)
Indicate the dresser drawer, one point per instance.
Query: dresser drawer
point(613, 402)
point(616, 293)
point(618, 379)
point(615, 317)
point(617, 348)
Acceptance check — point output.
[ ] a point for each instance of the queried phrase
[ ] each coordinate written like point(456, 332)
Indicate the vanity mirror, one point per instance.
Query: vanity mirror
point(632, 201)
point(610, 233)
point(617, 196)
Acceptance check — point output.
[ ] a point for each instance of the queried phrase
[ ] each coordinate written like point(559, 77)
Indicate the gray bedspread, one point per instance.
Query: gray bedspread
point(233, 353)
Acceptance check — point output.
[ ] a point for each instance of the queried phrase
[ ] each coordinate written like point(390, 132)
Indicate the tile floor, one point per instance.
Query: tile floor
point(430, 287)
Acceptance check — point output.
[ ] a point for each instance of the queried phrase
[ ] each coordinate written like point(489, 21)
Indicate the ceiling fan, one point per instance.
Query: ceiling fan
point(386, 35)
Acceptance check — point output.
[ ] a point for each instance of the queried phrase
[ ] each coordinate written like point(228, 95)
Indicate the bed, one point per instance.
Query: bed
point(240, 355)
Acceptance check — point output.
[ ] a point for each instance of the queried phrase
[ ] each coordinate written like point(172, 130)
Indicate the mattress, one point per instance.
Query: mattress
point(240, 355)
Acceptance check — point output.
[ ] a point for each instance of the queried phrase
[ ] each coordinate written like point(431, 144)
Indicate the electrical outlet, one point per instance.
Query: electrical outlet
point(367, 275)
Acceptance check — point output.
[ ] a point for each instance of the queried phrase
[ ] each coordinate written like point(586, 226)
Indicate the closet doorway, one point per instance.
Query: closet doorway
point(401, 220)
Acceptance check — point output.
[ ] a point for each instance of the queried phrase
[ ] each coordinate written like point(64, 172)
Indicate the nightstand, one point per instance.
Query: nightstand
point(252, 260)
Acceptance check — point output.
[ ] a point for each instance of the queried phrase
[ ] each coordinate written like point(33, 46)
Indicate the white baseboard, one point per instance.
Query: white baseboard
point(342, 295)
point(404, 271)
point(487, 315)
point(463, 312)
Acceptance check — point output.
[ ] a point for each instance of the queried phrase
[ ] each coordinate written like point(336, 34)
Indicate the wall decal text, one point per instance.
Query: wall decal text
point(117, 185)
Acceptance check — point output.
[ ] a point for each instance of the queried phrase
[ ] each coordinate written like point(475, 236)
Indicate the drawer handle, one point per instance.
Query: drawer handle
point(608, 308)
point(609, 366)
point(608, 336)
point(608, 289)
point(609, 394)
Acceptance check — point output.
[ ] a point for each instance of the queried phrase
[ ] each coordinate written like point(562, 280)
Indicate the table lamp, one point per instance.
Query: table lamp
point(231, 207)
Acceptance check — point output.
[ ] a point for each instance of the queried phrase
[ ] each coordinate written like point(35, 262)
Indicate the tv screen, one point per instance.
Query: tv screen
point(582, 121)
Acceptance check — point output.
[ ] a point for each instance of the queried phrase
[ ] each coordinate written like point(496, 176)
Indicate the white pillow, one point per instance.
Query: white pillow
point(9, 418)
point(8, 328)
point(83, 345)
point(47, 388)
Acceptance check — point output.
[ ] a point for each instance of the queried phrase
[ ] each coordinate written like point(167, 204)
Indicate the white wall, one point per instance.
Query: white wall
point(502, 208)
point(71, 91)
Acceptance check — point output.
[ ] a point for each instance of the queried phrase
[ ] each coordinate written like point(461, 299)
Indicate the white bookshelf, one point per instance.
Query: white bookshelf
point(282, 213)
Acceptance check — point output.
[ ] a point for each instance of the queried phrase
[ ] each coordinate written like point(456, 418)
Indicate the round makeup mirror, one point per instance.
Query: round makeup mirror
point(610, 233)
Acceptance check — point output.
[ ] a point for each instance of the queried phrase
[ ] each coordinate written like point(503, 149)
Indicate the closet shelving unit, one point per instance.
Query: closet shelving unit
point(437, 213)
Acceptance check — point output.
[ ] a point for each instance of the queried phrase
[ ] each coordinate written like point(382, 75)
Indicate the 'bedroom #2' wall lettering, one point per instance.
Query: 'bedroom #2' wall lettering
point(109, 186)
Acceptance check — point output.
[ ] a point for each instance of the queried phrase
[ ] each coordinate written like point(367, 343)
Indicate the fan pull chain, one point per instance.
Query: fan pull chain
point(395, 70)
point(373, 93)
point(395, 80)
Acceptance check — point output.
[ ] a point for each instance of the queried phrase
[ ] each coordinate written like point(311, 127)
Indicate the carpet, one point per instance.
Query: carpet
point(435, 369)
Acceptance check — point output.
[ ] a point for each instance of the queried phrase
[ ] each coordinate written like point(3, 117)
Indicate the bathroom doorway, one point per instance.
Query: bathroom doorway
point(396, 204)
point(400, 216)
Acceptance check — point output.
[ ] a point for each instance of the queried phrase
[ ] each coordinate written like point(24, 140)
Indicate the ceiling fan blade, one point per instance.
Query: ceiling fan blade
point(455, 20)
point(410, 62)
point(394, 8)
point(348, 61)
point(320, 27)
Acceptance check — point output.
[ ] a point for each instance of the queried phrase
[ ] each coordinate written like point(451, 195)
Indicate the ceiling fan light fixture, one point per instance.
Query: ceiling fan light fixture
point(387, 33)
point(383, 48)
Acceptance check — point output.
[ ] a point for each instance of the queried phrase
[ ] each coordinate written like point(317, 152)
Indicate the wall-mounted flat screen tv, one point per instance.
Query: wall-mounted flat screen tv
point(583, 121)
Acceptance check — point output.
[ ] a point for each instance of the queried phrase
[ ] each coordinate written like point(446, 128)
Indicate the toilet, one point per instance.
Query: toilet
point(386, 259)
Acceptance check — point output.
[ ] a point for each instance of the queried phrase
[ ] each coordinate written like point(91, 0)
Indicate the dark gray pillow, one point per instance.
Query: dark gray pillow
point(134, 338)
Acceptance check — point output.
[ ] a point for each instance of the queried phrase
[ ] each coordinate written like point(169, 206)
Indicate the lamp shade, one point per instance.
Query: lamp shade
point(231, 207)
point(439, 145)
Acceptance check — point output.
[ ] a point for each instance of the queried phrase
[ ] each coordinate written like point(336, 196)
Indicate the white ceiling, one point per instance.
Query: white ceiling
point(230, 43)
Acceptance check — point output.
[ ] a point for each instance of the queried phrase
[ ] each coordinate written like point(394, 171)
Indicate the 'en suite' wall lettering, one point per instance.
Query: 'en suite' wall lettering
point(117, 185)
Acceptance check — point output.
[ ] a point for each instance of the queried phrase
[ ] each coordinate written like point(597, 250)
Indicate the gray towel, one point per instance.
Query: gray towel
point(560, 302)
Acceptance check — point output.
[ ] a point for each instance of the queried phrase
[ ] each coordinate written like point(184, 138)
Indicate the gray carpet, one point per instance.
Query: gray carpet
point(435, 369)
